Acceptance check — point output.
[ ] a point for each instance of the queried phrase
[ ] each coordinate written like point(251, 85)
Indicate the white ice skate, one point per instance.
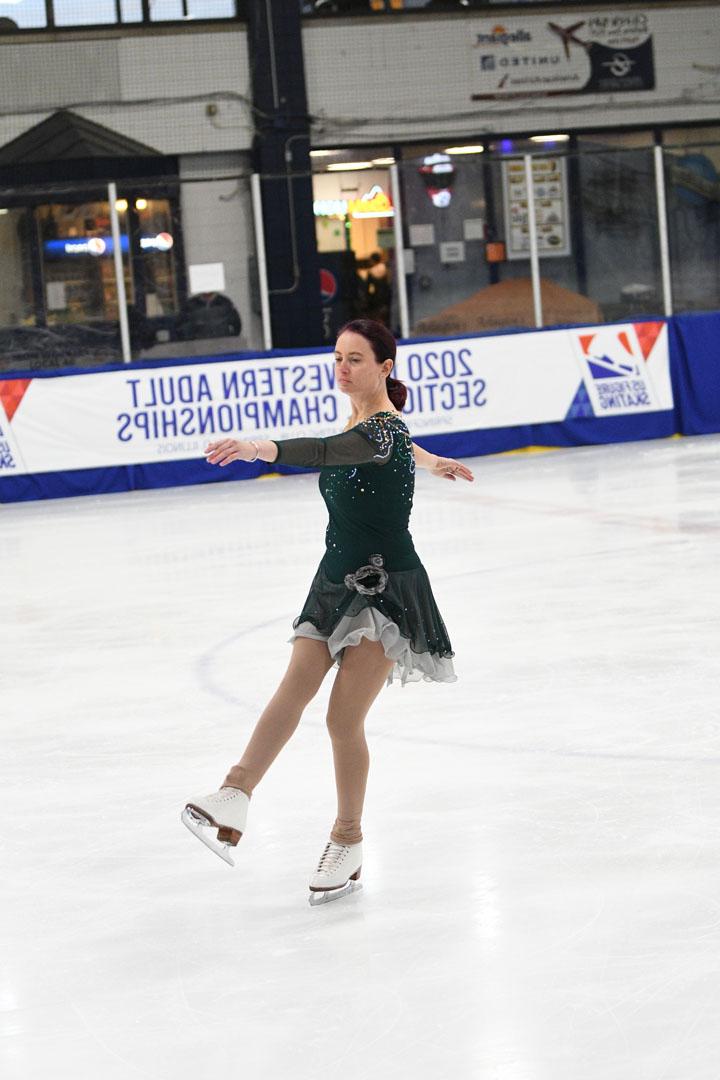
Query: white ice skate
point(224, 810)
point(337, 873)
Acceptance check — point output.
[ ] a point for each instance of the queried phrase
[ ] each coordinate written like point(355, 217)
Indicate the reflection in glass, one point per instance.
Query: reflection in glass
point(25, 15)
point(79, 13)
point(17, 307)
point(692, 192)
point(168, 10)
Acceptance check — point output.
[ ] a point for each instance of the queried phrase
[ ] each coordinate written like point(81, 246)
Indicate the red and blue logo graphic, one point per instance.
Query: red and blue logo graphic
point(12, 392)
point(328, 286)
point(615, 361)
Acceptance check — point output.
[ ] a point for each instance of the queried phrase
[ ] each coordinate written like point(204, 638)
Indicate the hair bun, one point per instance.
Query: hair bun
point(397, 392)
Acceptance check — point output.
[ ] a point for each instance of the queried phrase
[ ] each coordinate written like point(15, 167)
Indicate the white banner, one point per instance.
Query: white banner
point(141, 415)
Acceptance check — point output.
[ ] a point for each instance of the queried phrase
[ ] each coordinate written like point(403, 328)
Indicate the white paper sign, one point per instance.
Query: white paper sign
point(207, 277)
point(422, 235)
point(453, 251)
point(474, 229)
point(56, 295)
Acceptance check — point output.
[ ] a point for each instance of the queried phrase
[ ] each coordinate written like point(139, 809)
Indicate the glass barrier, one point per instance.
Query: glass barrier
point(606, 263)
point(445, 204)
point(468, 244)
point(194, 279)
point(190, 272)
point(692, 192)
point(58, 301)
point(188, 258)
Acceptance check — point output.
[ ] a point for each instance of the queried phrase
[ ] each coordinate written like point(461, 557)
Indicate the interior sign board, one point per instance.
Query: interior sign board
point(552, 227)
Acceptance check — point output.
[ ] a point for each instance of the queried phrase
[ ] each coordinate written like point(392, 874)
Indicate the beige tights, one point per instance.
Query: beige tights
point(363, 671)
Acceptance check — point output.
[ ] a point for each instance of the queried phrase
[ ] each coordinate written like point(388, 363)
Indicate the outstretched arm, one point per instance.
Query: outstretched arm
point(349, 448)
point(440, 466)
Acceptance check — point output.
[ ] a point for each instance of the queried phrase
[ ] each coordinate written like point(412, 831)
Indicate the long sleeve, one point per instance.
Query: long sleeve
point(371, 441)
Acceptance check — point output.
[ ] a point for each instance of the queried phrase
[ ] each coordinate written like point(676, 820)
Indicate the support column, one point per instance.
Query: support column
point(281, 156)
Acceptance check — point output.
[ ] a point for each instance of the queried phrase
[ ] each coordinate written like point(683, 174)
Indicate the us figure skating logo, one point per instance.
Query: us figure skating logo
point(616, 375)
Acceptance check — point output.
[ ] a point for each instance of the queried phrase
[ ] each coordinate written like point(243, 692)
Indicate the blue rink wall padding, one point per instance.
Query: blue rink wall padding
point(695, 371)
point(694, 351)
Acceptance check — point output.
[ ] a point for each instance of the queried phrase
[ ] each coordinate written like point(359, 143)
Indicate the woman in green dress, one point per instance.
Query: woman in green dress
point(370, 608)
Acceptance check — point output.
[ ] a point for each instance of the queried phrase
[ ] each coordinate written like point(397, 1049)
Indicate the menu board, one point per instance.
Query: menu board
point(551, 208)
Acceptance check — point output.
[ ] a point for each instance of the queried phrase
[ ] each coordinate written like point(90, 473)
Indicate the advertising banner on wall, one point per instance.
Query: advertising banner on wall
point(603, 53)
point(170, 413)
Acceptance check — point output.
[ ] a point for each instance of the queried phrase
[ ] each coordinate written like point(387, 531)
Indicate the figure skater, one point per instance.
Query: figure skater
point(370, 608)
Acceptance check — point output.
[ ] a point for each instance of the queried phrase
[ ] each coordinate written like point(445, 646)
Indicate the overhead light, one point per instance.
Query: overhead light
point(549, 138)
point(349, 166)
point(383, 161)
point(141, 204)
point(323, 153)
point(121, 205)
point(3, 210)
point(464, 149)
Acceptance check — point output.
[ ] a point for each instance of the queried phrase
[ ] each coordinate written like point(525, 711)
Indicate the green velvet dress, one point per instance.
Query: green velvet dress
point(370, 581)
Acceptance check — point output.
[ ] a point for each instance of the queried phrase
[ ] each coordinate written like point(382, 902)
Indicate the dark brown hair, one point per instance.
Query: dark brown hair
point(384, 347)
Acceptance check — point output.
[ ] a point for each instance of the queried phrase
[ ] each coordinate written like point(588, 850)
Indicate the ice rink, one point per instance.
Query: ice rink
point(541, 866)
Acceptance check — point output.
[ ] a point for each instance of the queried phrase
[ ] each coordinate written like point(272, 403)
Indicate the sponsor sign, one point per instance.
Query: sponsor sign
point(141, 415)
point(603, 53)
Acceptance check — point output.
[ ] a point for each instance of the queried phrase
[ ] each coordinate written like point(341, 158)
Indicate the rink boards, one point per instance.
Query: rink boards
point(146, 424)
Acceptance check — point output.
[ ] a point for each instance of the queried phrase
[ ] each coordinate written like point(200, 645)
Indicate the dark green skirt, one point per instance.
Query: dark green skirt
point(396, 608)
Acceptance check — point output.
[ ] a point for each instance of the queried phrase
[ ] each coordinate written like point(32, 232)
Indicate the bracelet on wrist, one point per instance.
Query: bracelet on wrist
point(257, 451)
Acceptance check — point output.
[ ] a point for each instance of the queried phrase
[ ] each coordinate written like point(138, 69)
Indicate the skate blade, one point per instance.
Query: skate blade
point(318, 897)
point(199, 827)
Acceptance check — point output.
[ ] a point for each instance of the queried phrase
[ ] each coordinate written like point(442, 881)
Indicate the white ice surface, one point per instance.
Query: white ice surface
point(542, 838)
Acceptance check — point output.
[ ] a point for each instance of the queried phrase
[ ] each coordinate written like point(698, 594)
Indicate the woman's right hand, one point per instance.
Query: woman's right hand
point(225, 451)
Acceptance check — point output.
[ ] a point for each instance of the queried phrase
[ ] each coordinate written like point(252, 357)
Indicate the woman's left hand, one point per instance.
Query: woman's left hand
point(450, 469)
point(226, 450)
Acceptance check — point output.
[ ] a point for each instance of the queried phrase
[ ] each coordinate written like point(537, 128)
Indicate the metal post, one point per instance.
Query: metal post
point(261, 260)
point(662, 226)
point(119, 274)
point(532, 233)
point(401, 282)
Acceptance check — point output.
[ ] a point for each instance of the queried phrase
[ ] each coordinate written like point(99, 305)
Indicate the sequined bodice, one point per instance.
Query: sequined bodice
point(369, 505)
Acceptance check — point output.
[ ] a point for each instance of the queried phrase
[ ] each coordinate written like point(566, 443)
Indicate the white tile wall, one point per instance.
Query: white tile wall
point(136, 85)
point(375, 80)
point(48, 75)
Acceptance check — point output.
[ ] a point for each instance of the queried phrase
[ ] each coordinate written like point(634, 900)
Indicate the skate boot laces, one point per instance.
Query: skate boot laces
point(224, 795)
point(331, 857)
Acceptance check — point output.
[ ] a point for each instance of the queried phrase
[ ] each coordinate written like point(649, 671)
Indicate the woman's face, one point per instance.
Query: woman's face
point(356, 369)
